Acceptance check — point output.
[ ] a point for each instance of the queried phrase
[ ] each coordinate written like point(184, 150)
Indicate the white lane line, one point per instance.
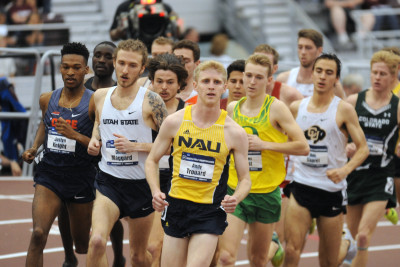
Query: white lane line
point(238, 263)
point(315, 254)
point(15, 221)
point(46, 251)
point(16, 179)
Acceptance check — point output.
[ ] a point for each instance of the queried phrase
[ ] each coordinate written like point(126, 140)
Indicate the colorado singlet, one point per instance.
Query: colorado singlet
point(199, 158)
point(129, 123)
point(267, 168)
point(327, 147)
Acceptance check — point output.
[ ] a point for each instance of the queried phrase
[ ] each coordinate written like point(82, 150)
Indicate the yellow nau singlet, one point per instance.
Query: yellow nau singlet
point(267, 168)
point(199, 157)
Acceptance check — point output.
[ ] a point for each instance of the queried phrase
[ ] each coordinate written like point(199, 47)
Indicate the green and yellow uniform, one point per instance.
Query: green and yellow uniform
point(267, 168)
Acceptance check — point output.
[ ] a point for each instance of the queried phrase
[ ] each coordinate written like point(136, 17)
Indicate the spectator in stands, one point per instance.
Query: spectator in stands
point(7, 64)
point(13, 165)
point(378, 22)
point(191, 34)
point(340, 18)
point(20, 11)
point(36, 37)
point(219, 43)
point(352, 84)
point(10, 129)
point(44, 5)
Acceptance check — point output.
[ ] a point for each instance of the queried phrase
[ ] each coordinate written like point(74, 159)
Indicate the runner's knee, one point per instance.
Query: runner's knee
point(291, 252)
point(98, 244)
point(362, 241)
point(138, 259)
point(226, 258)
point(39, 237)
point(260, 259)
point(155, 247)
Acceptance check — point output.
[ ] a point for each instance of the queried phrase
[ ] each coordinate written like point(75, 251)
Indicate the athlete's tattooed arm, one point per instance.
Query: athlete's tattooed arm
point(158, 109)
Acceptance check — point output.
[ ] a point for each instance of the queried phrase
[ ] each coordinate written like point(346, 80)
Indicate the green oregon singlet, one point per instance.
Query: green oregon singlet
point(267, 168)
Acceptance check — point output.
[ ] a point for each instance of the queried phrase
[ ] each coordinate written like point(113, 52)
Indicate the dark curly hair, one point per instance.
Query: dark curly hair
point(168, 62)
point(75, 49)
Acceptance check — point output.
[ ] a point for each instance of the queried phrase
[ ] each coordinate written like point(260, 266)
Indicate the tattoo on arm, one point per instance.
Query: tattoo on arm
point(158, 108)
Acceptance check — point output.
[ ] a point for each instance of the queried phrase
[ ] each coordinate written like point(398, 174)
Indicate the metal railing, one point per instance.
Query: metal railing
point(34, 114)
point(373, 39)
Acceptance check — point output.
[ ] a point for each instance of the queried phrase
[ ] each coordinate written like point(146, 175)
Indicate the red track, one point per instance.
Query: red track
point(15, 230)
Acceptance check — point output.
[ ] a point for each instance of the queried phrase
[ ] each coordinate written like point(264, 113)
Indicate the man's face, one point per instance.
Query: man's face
point(128, 67)
point(166, 84)
point(73, 69)
point(324, 75)
point(188, 59)
point(102, 60)
point(307, 52)
point(235, 85)
point(157, 49)
point(210, 86)
point(255, 79)
point(381, 79)
point(271, 59)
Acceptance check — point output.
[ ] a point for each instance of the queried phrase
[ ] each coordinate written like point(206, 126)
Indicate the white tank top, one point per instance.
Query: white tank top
point(129, 123)
point(306, 89)
point(327, 147)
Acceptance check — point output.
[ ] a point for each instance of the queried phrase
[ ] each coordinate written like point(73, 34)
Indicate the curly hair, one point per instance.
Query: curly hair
point(75, 49)
point(168, 62)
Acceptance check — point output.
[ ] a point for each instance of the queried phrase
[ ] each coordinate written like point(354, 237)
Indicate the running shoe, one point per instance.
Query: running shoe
point(352, 250)
point(279, 256)
point(392, 216)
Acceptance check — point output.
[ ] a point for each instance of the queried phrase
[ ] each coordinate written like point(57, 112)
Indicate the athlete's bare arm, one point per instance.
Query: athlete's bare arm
point(161, 145)
point(154, 113)
point(288, 94)
point(30, 154)
point(347, 120)
point(236, 141)
point(282, 120)
point(155, 106)
point(98, 102)
point(283, 76)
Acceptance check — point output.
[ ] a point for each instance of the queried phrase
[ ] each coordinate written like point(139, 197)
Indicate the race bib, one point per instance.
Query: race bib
point(60, 144)
point(163, 163)
point(197, 167)
point(255, 161)
point(389, 187)
point(375, 146)
point(318, 157)
point(116, 158)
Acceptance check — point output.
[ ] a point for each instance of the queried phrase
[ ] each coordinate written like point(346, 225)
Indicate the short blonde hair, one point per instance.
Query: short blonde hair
point(262, 60)
point(210, 64)
point(390, 59)
point(133, 46)
point(267, 49)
